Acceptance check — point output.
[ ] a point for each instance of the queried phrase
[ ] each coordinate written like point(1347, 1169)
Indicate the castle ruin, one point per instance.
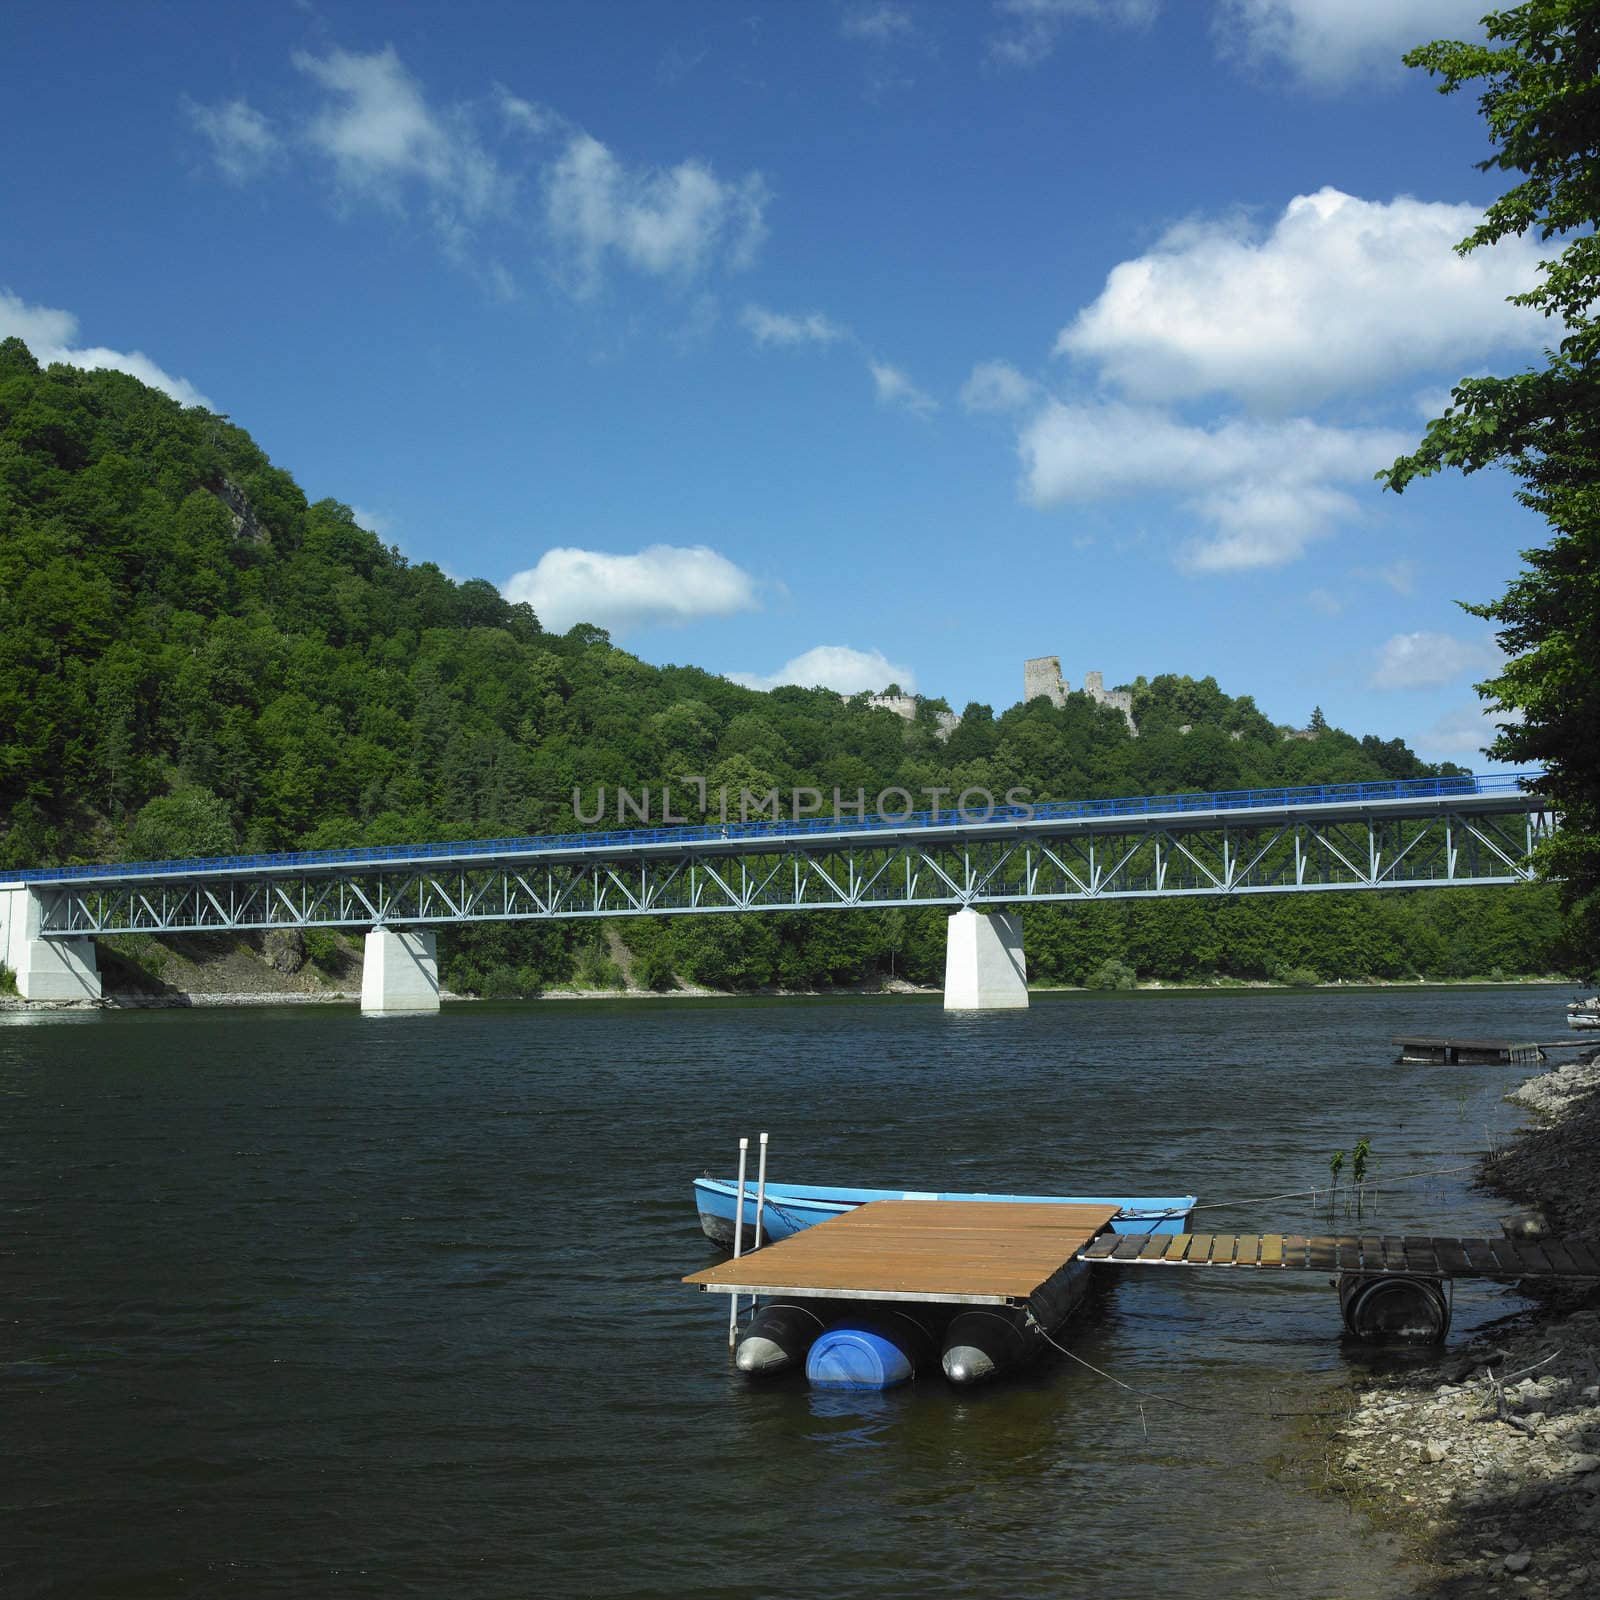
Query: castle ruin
point(905, 705)
point(1042, 676)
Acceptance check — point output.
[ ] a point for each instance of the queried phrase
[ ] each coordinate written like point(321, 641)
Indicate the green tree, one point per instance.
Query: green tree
point(191, 822)
point(1539, 69)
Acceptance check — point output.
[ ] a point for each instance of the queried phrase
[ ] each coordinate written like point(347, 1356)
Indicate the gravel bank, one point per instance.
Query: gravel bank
point(1490, 1458)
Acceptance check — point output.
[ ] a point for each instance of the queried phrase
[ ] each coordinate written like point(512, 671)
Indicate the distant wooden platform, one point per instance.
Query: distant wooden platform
point(964, 1252)
point(1417, 1255)
point(1473, 1052)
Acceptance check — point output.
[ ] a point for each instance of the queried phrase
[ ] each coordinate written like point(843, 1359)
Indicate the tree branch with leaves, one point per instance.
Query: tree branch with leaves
point(1539, 69)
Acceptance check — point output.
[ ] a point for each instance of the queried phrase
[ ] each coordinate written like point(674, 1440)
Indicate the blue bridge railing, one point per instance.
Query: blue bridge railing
point(1044, 811)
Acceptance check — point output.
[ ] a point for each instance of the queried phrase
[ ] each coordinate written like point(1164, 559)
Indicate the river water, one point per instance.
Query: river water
point(300, 1303)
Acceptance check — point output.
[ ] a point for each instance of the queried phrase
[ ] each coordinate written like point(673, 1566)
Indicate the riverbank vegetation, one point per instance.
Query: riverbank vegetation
point(195, 660)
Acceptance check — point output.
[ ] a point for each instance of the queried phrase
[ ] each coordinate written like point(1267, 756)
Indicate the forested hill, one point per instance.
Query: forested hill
point(193, 659)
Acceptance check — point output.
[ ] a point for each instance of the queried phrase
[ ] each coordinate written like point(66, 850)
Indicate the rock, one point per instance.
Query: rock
point(284, 949)
point(245, 525)
point(1580, 1464)
point(1433, 1450)
point(1519, 1561)
point(1525, 1225)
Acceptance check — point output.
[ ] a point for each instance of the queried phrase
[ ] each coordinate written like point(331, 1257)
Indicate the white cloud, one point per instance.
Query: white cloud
point(1262, 524)
point(523, 116)
point(1032, 27)
point(1268, 487)
point(390, 145)
point(49, 334)
point(136, 364)
point(242, 142)
point(894, 388)
point(836, 667)
point(670, 223)
point(1328, 43)
point(1340, 293)
point(40, 328)
point(1426, 660)
point(382, 135)
point(997, 386)
point(377, 522)
point(1462, 734)
point(664, 584)
point(1401, 575)
point(879, 24)
point(776, 327)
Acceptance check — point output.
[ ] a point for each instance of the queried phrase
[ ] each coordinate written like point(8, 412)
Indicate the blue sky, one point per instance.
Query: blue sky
point(829, 341)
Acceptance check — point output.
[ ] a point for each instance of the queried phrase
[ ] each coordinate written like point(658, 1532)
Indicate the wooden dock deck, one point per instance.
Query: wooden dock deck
point(962, 1252)
point(1415, 1255)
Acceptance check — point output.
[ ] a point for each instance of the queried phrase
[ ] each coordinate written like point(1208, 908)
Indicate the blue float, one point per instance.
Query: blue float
point(857, 1358)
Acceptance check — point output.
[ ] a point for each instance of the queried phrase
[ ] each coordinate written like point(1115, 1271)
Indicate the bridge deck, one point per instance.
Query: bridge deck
point(969, 1252)
point(1418, 1255)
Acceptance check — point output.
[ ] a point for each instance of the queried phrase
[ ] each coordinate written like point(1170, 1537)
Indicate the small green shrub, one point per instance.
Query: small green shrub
point(1112, 974)
point(324, 950)
point(597, 971)
point(652, 969)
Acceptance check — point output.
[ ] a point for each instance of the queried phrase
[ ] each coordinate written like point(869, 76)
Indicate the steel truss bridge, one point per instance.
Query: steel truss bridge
point(1403, 835)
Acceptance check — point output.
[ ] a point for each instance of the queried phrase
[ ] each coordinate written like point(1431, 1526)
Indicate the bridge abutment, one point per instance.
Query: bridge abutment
point(45, 969)
point(984, 967)
point(400, 972)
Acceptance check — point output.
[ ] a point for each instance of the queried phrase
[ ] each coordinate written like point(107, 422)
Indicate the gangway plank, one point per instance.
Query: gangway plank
point(1409, 1255)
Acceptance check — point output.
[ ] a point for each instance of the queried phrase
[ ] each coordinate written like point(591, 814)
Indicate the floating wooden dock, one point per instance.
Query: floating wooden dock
point(1413, 1255)
point(958, 1252)
point(1474, 1052)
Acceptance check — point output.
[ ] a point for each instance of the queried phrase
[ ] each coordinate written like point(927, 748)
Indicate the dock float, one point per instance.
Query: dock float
point(1409, 1255)
point(937, 1252)
point(1474, 1052)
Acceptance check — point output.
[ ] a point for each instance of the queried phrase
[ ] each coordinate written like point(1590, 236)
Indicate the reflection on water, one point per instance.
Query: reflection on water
point(300, 1304)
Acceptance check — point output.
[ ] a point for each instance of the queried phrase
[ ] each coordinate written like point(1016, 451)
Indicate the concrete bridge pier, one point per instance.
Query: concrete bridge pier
point(45, 969)
point(400, 973)
point(984, 967)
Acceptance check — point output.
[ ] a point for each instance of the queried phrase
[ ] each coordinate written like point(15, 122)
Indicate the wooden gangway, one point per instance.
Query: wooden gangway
point(1448, 1051)
point(960, 1252)
point(1413, 1255)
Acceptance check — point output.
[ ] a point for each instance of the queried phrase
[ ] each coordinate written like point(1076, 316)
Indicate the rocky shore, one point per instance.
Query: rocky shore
point(1489, 1459)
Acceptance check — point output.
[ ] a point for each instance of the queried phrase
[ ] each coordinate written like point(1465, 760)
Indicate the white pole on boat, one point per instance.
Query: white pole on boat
point(761, 1190)
point(761, 1200)
point(738, 1242)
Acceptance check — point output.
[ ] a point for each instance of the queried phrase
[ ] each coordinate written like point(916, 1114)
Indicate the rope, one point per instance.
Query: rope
point(1301, 1194)
point(1494, 1381)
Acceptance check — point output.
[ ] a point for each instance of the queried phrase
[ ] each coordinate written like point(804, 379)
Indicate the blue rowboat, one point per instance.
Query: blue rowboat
point(789, 1207)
